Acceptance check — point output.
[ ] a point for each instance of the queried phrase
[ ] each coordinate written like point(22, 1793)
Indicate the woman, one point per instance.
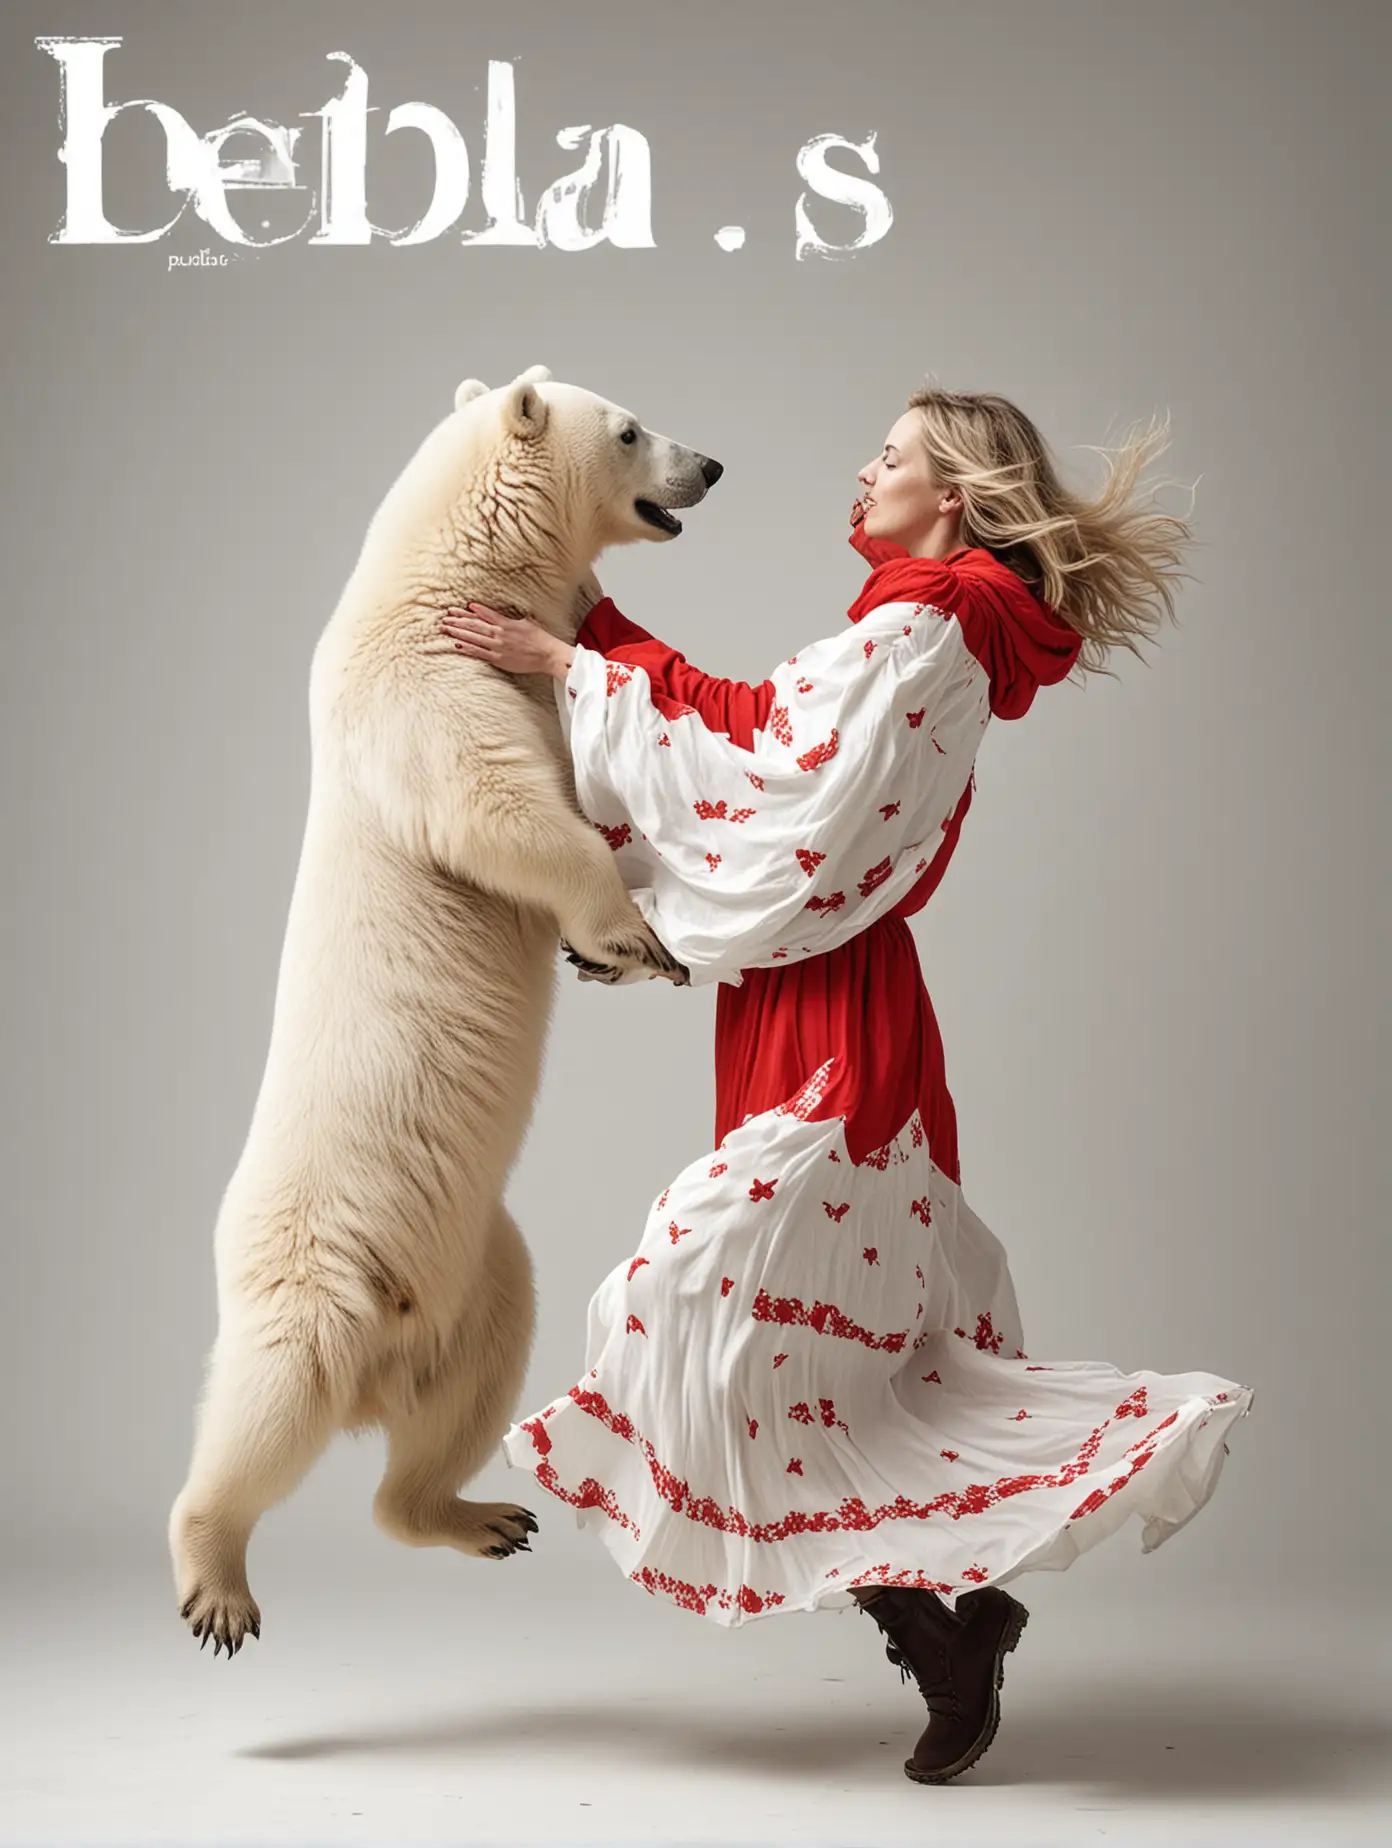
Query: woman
point(808, 1384)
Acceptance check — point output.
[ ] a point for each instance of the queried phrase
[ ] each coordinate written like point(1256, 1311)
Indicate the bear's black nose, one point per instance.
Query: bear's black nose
point(711, 470)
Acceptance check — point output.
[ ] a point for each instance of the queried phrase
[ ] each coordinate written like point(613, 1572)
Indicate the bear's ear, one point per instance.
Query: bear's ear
point(468, 391)
point(534, 375)
point(524, 408)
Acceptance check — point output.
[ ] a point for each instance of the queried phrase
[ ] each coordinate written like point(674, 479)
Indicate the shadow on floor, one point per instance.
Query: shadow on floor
point(1164, 1741)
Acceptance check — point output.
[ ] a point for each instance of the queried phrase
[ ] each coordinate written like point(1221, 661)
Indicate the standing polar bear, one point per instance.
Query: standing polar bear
point(368, 1273)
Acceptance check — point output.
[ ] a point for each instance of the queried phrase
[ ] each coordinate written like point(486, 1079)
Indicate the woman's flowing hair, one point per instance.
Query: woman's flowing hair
point(1108, 566)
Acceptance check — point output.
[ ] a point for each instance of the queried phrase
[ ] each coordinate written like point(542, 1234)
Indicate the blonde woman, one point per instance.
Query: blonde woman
point(808, 1383)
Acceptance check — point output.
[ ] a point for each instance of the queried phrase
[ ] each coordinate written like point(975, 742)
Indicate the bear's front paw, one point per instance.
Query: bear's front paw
point(593, 971)
point(640, 949)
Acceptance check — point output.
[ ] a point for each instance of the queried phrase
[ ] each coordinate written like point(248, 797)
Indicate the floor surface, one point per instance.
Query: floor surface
point(425, 1699)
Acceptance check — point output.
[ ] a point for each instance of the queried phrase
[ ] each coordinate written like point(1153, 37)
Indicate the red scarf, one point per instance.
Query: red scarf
point(1021, 642)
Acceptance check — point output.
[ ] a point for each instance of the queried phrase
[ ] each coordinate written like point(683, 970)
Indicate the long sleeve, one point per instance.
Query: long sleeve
point(731, 706)
point(794, 844)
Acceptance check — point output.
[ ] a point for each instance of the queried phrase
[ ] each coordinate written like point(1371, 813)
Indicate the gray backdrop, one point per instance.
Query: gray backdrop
point(1153, 959)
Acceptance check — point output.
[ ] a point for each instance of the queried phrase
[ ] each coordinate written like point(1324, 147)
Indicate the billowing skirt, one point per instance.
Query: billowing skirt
point(810, 1373)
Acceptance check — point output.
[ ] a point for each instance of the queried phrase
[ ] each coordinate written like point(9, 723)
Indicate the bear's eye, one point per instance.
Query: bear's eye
point(629, 436)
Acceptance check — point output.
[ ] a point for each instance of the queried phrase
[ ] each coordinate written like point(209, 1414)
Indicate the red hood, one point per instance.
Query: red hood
point(1021, 642)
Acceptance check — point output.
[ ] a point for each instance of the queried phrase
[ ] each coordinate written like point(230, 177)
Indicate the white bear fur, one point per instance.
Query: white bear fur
point(368, 1273)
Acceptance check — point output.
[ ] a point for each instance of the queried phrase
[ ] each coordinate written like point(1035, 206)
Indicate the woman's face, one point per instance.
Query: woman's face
point(903, 501)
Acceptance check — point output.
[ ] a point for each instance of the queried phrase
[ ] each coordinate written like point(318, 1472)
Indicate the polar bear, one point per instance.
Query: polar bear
point(368, 1273)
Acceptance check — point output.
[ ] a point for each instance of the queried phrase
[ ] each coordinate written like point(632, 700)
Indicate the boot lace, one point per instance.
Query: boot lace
point(939, 1694)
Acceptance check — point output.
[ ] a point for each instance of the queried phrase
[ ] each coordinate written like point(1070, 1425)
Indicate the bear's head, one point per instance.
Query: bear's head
point(587, 471)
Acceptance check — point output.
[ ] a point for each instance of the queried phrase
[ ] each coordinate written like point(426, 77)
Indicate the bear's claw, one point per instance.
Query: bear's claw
point(647, 954)
point(224, 1621)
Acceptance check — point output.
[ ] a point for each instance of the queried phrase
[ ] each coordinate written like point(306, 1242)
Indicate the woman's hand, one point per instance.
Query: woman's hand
point(516, 644)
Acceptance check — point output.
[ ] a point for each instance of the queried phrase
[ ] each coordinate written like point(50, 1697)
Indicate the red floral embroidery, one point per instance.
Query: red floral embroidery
point(804, 686)
point(851, 1515)
point(675, 1231)
point(662, 1199)
point(763, 1190)
point(869, 649)
point(832, 1155)
point(1134, 1407)
point(986, 1336)
point(916, 718)
point(726, 1285)
point(614, 678)
point(932, 1379)
point(977, 1574)
point(933, 740)
point(922, 1209)
point(719, 1169)
point(753, 1427)
point(1138, 1461)
point(635, 1327)
point(838, 1213)
point(951, 1455)
point(825, 1318)
point(807, 1096)
point(721, 811)
point(885, 1575)
point(820, 753)
point(778, 1360)
point(779, 725)
point(712, 860)
point(876, 877)
point(871, 1254)
point(794, 1467)
point(888, 809)
point(809, 860)
point(829, 1418)
point(1022, 1413)
point(698, 1597)
point(637, 1264)
point(617, 837)
point(832, 902)
point(590, 1494)
point(802, 1412)
point(757, 781)
point(664, 739)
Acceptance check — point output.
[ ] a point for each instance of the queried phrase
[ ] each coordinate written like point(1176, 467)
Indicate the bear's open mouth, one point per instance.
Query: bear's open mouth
point(657, 516)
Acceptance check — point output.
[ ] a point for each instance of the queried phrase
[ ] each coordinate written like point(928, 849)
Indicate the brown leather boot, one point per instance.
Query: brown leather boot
point(958, 1660)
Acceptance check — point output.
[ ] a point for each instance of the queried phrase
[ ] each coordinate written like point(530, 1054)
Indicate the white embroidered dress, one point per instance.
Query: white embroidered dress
point(809, 1373)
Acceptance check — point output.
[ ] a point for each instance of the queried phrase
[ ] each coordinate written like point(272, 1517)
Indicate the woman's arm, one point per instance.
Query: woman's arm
point(748, 857)
point(520, 646)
